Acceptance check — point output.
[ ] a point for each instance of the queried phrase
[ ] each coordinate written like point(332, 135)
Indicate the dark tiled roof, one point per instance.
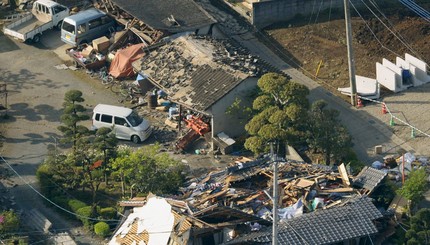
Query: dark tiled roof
point(327, 226)
point(369, 178)
point(158, 14)
point(194, 71)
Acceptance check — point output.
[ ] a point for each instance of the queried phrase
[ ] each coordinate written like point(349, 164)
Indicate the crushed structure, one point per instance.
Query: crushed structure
point(233, 205)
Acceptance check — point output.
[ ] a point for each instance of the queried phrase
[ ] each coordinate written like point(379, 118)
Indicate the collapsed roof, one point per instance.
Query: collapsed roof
point(316, 202)
point(169, 15)
point(198, 71)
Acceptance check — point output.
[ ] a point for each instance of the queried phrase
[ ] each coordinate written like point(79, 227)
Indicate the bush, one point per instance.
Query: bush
point(102, 229)
point(75, 205)
point(44, 175)
point(61, 201)
point(10, 223)
point(108, 213)
point(84, 214)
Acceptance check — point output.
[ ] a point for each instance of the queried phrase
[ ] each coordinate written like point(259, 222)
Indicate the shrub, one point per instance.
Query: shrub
point(10, 223)
point(102, 229)
point(108, 213)
point(84, 214)
point(44, 175)
point(75, 205)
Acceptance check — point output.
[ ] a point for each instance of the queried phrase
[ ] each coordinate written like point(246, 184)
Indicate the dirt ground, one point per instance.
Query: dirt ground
point(325, 42)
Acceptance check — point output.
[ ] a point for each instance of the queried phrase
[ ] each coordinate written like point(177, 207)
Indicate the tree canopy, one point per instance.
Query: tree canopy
point(415, 185)
point(419, 232)
point(326, 134)
point(281, 112)
point(73, 114)
point(148, 170)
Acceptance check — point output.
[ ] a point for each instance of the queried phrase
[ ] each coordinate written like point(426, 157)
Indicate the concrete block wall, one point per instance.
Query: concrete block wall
point(269, 12)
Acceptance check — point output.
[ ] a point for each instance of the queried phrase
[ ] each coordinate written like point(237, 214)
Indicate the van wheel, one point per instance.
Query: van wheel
point(36, 38)
point(135, 139)
point(58, 26)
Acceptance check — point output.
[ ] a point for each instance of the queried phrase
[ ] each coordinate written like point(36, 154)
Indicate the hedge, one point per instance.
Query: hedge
point(84, 215)
point(75, 205)
point(108, 213)
point(102, 229)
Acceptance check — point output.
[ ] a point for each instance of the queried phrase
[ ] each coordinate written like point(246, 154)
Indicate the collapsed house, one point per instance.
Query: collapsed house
point(203, 75)
point(153, 20)
point(317, 203)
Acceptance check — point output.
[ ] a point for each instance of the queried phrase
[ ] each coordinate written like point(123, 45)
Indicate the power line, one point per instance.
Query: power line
point(416, 9)
point(50, 201)
point(389, 29)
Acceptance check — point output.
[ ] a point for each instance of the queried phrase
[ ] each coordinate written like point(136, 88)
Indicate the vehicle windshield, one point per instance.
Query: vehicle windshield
point(134, 119)
point(68, 27)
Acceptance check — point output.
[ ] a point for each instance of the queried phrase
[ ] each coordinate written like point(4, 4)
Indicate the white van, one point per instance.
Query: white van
point(125, 122)
point(86, 26)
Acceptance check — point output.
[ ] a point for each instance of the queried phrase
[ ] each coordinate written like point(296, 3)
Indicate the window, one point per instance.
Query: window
point(82, 28)
point(68, 27)
point(57, 9)
point(97, 117)
point(121, 121)
point(134, 119)
point(95, 23)
point(106, 118)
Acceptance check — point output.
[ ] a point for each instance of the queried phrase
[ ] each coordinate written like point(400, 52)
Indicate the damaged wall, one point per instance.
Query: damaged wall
point(232, 125)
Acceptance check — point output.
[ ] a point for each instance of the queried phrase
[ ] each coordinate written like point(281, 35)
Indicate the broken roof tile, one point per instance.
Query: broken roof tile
point(369, 178)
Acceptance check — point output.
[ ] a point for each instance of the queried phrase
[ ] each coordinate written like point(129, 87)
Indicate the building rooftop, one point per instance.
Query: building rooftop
point(169, 15)
point(198, 71)
point(328, 226)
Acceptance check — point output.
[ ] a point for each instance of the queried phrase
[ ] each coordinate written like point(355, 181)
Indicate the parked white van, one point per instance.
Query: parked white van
point(125, 122)
point(85, 26)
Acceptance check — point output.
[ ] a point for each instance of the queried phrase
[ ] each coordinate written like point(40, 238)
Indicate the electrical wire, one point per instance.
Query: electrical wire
point(319, 9)
point(312, 12)
point(375, 5)
point(388, 28)
point(49, 200)
point(416, 9)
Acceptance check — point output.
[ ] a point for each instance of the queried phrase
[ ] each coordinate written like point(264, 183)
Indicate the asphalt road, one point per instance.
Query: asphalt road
point(366, 128)
point(36, 92)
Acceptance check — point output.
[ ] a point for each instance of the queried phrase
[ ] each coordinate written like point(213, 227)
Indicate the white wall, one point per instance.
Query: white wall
point(231, 124)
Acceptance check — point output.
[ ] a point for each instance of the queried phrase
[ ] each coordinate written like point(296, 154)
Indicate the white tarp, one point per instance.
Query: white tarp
point(155, 218)
point(292, 211)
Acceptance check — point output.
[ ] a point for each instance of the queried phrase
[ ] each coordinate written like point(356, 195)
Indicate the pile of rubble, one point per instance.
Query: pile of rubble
point(303, 187)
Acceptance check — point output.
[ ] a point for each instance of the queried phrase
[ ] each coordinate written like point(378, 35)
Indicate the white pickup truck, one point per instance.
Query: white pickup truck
point(44, 15)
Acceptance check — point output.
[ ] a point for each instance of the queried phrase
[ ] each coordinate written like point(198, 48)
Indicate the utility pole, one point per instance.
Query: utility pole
point(351, 63)
point(275, 196)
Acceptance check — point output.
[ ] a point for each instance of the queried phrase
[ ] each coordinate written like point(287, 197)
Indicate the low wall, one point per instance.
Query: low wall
point(269, 12)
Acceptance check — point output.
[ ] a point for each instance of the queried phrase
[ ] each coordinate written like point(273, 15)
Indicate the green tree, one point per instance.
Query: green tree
point(281, 113)
point(419, 232)
point(73, 114)
point(415, 186)
point(106, 142)
point(326, 134)
point(148, 170)
point(9, 223)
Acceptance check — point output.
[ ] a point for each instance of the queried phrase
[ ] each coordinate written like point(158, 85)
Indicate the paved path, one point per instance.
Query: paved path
point(367, 127)
point(36, 92)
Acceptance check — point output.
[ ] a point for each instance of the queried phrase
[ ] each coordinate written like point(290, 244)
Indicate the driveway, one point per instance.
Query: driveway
point(35, 97)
